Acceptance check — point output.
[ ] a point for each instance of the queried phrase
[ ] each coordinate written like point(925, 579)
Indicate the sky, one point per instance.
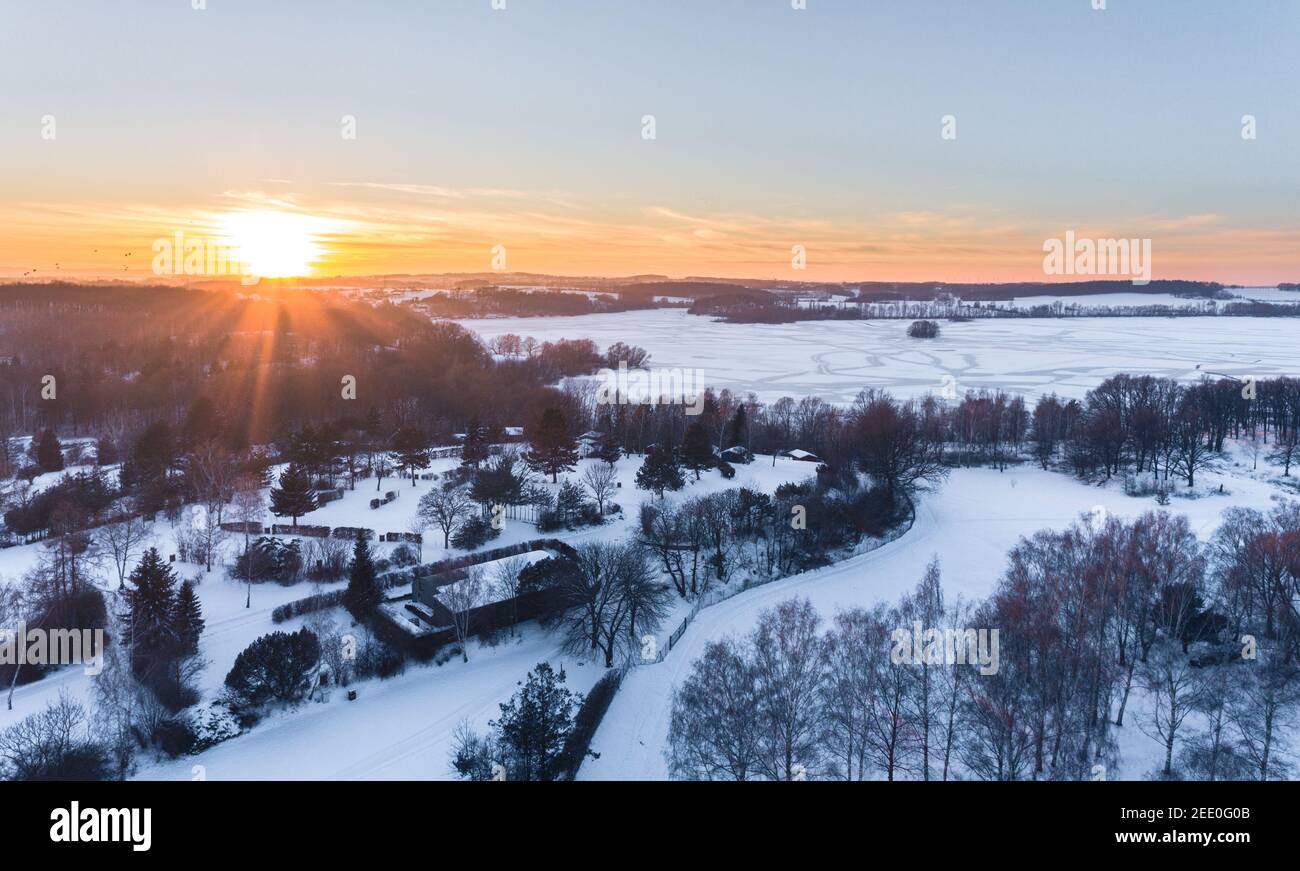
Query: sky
point(517, 138)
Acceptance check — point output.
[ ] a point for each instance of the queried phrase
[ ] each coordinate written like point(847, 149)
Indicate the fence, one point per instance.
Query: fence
point(523, 513)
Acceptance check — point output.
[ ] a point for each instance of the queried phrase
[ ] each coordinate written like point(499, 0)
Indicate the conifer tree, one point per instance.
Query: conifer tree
point(551, 448)
point(363, 594)
point(660, 472)
point(49, 453)
point(150, 608)
point(697, 450)
point(187, 619)
point(475, 448)
point(738, 436)
point(294, 496)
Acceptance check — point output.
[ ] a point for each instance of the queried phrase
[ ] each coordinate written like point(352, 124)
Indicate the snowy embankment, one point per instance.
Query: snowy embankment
point(970, 523)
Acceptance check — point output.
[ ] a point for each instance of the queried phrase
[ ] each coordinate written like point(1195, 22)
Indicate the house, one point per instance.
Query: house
point(736, 454)
point(802, 456)
point(589, 443)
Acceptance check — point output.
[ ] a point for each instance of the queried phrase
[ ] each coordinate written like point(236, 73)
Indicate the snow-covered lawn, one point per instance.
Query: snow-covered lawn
point(399, 727)
point(836, 359)
point(969, 523)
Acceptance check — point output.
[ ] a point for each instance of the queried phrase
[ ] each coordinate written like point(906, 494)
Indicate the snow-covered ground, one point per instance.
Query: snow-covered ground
point(969, 524)
point(398, 728)
point(836, 359)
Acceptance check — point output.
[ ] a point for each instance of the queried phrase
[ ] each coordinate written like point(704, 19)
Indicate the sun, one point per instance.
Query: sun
point(274, 244)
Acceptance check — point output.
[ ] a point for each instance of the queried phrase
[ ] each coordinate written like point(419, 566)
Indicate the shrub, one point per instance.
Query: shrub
point(585, 722)
point(276, 667)
point(923, 330)
point(403, 555)
point(474, 533)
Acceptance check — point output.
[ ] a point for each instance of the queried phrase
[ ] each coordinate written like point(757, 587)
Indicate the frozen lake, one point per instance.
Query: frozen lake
point(836, 359)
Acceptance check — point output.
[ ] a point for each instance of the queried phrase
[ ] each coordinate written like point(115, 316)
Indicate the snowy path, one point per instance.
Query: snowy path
point(398, 729)
point(971, 523)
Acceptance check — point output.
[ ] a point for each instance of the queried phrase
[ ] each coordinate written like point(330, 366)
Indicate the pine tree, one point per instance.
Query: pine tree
point(150, 602)
point(475, 448)
point(187, 619)
point(609, 450)
point(202, 423)
point(535, 724)
point(569, 501)
point(660, 472)
point(363, 594)
point(411, 450)
point(739, 432)
point(697, 450)
point(294, 496)
point(49, 453)
point(551, 448)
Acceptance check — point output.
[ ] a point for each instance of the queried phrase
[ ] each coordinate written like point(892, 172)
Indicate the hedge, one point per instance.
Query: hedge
point(586, 721)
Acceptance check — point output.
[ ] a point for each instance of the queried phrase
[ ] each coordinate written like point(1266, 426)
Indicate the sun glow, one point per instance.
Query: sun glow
point(274, 244)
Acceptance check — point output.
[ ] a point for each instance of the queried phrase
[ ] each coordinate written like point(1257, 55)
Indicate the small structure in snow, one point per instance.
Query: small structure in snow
point(736, 454)
point(801, 455)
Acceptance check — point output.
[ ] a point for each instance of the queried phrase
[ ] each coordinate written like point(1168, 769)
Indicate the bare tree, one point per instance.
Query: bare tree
point(602, 480)
point(461, 598)
point(249, 510)
point(788, 680)
point(712, 731)
point(124, 538)
point(445, 508)
point(1264, 712)
point(1171, 684)
point(505, 585)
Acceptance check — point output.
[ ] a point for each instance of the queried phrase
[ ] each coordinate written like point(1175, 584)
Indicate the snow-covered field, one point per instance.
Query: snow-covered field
point(402, 728)
point(399, 728)
point(969, 524)
point(836, 359)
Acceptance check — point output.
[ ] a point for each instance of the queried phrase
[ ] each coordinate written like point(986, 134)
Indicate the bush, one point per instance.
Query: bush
point(585, 722)
point(174, 736)
point(275, 667)
point(474, 533)
point(403, 555)
point(376, 659)
point(306, 605)
point(270, 559)
point(923, 330)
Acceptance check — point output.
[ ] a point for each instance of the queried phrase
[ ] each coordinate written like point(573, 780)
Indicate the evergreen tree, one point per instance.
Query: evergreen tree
point(610, 450)
point(551, 448)
point(150, 608)
point(154, 455)
point(697, 449)
point(294, 496)
point(49, 453)
point(738, 436)
point(277, 666)
point(475, 448)
point(411, 450)
point(187, 619)
point(363, 594)
point(660, 472)
point(202, 423)
point(535, 723)
point(569, 501)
